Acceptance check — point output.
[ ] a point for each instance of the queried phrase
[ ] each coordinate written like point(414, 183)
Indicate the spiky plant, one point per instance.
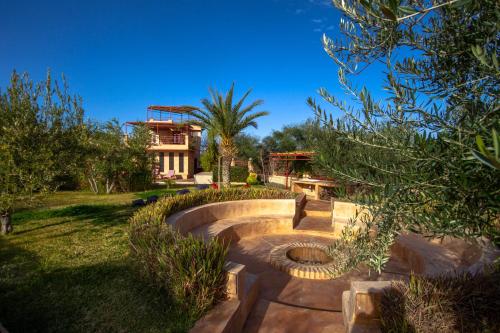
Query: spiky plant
point(227, 120)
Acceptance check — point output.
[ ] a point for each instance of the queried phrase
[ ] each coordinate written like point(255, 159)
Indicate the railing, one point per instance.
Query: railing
point(169, 140)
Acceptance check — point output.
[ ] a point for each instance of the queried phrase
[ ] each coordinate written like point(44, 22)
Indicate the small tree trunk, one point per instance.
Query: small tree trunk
point(109, 186)
point(93, 184)
point(226, 171)
point(264, 176)
point(6, 224)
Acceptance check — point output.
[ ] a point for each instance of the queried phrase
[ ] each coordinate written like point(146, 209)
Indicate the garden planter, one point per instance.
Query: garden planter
point(5, 224)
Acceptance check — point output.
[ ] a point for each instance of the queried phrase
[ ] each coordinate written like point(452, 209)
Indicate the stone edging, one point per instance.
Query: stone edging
point(279, 259)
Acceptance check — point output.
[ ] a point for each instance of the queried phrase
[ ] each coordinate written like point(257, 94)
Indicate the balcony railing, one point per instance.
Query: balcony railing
point(169, 140)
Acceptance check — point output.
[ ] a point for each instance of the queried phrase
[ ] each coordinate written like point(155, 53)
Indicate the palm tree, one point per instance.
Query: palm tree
point(226, 121)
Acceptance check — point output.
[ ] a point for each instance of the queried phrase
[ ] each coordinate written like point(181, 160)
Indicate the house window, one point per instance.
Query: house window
point(170, 161)
point(181, 162)
point(162, 162)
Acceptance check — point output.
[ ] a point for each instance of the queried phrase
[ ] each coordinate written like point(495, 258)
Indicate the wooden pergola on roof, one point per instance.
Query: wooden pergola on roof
point(172, 109)
point(166, 116)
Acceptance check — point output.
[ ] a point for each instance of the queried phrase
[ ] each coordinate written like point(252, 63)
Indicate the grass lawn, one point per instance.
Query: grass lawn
point(66, 269)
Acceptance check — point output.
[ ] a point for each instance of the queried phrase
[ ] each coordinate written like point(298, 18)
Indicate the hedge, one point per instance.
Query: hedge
point(237, 174)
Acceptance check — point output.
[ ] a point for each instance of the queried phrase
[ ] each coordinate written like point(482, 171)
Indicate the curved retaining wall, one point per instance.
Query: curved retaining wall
point(195, 217)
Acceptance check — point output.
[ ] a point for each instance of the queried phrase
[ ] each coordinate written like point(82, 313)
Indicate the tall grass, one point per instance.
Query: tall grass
point(187, 269)
point(449, 303)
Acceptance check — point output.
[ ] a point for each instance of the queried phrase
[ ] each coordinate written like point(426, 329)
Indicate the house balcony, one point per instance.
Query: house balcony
point(174, 142)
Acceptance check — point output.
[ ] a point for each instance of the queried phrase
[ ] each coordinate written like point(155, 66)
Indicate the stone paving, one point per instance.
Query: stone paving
point(290, 304)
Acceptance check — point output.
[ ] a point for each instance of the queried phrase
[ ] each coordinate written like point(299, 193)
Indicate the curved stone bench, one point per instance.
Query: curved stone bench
point(433, 257)
point(231, 220)
point(421, 255)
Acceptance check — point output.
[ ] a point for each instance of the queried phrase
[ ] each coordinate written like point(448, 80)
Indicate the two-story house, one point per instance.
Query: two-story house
point(175, 142)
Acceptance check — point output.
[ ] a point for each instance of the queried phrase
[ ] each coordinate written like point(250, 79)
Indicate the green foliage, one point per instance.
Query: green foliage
point(489, 156)
point(138, 162)
point(237, 174)
point(114, 162)
point(252, 179)
point(289, 138)
point(226, 120)
point(188, 269)
point(40, 138)
point(413, 149)
point(197, 272)
point(248, 146)
point(209, 157)
point(456, 303)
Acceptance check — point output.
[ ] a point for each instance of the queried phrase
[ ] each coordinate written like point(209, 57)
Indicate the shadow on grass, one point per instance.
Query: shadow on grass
point(105, 297)
point(101, 215)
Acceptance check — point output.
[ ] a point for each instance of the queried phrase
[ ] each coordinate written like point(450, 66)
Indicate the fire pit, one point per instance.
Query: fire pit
point(304, 260)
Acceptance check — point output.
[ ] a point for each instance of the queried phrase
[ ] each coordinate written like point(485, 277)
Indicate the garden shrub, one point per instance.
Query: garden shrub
point(252, 179)
point(449, 303)
point(188, 269)
point(237, 174)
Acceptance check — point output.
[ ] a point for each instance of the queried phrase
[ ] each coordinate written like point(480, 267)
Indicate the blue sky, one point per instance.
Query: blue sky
point(122, 56)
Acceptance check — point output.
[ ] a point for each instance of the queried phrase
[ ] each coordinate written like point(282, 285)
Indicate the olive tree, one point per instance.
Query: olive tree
point(415, 149)
point(40, 126)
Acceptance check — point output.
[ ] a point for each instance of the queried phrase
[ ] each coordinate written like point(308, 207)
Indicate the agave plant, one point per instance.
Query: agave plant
point(227, 120)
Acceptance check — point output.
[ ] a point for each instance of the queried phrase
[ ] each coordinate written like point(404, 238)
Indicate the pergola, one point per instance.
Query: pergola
point(165, 113)
point(290, 157)
point(163, 116)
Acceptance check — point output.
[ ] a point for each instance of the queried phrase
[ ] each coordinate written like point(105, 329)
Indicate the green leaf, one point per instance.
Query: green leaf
point(388, 13)
point(460, 3)
point(365, 4)
point(407, 10)
point(487, 161)
point(481, 145)
point(494, 59)
point(496, 143)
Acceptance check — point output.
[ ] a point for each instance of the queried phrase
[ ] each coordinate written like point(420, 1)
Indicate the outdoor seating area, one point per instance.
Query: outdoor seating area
point(258, 234)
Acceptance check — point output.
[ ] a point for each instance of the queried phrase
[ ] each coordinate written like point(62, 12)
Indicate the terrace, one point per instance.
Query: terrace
point(170, 128)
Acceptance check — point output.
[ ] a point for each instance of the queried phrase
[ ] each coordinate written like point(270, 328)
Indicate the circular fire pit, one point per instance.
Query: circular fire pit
point(304, 260)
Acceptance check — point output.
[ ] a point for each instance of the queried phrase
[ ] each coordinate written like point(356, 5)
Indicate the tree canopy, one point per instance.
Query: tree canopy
point(227, 120)
point(415, 149)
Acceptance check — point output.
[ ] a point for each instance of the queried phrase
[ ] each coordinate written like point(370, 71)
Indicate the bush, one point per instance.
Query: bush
point(460, 303)
point(157, 213)
point(238, 174)
point(252, 179)
point(188, 269)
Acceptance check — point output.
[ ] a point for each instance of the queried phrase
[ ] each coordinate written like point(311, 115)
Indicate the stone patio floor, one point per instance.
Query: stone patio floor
point(290, 304)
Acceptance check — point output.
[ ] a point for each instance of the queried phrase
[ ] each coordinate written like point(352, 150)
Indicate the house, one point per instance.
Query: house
point(174, 141)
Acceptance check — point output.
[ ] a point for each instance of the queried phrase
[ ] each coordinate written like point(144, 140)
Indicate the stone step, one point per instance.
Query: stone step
point(361, 306)
point(317, 213)
point(315, 223)
point(320, 205)
point(269, 316)
point(317, 208)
